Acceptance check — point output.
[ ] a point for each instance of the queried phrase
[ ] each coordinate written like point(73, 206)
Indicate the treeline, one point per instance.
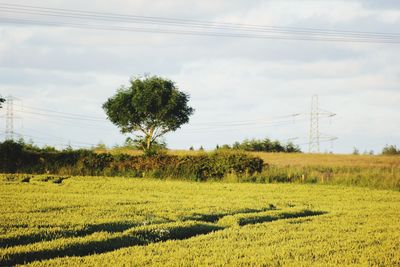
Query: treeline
point(263, 145)
point(18, 157)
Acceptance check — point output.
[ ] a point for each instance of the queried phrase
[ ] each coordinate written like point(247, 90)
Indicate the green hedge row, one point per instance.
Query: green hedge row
point(16, 158)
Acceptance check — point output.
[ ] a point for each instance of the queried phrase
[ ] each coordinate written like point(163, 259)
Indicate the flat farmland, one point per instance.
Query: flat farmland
point(110, 221)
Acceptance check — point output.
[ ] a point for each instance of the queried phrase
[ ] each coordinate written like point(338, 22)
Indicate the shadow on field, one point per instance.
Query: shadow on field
point(101, 244)
point(111, 227)
point(279, 216)
point(214, 217)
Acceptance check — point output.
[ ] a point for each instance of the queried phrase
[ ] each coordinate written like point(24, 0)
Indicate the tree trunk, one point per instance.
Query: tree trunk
point(149, 137)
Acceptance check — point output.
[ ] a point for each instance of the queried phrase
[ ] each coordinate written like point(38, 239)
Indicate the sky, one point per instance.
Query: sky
point(254, 83)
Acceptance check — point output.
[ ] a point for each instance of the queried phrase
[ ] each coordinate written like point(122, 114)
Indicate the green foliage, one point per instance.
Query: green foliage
point(18, 158)
point(2, 100)
point(265, 145)
point(390, 150)
point(151, 106)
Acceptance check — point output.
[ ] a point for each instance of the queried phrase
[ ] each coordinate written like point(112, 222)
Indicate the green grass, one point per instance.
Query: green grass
point(88, 221)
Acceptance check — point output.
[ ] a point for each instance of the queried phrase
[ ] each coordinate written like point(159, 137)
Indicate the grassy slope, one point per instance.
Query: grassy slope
point(137, 222)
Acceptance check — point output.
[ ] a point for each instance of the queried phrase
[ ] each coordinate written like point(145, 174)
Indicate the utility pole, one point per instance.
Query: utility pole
point(313, 145)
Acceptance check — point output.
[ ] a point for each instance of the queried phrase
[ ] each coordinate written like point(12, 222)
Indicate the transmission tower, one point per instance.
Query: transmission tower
point(9, 134)
point(314, 126)
point(10, 117)
point(315, 135)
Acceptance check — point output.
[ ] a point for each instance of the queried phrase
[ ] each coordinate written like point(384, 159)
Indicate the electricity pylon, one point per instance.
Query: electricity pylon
point(315, 134)
point(9, 134)
point(10, 117)
point(313, 145)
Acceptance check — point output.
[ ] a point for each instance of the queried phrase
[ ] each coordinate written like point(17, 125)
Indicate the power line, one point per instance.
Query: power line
point(236, 127)
point(212, 126)
point(45, 141)
point(68, 117)
point(330, 139)
point(174, 26)
point(60, 12)
point(56, 137)
point(64, 113)
point(219, 123)
point(59, 138)
point(49, 113)
point(193, 33)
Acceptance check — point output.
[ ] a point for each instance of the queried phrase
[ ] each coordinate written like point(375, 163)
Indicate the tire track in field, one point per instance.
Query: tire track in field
point(104, 241)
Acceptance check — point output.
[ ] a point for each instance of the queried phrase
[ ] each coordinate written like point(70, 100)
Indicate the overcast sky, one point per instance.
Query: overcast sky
point(228, 79)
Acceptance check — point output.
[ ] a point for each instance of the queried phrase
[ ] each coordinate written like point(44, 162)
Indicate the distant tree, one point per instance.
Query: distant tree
point(225, 146)
point(236, 145)
point(2, 100)
point(149, 107)
point(264, 145)
point(100, 146)
point(370, 152)
point(292, 148)
point(201, 148)
point(191, 148)
point(356, 151)
point(390, 150)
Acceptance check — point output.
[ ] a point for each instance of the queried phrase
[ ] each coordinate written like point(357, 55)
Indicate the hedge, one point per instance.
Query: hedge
point(16, 158)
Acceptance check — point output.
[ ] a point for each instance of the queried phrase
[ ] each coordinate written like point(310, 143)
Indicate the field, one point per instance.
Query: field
point(373, 171)
point(110, 221)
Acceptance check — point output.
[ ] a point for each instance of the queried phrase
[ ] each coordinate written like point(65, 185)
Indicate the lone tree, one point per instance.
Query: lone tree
point(151, 106)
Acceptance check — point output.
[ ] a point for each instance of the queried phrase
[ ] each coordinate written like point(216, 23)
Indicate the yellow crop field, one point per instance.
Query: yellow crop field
point(104, 221)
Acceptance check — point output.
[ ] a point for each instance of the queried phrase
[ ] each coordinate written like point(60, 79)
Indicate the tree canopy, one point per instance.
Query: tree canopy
point(150, 107)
